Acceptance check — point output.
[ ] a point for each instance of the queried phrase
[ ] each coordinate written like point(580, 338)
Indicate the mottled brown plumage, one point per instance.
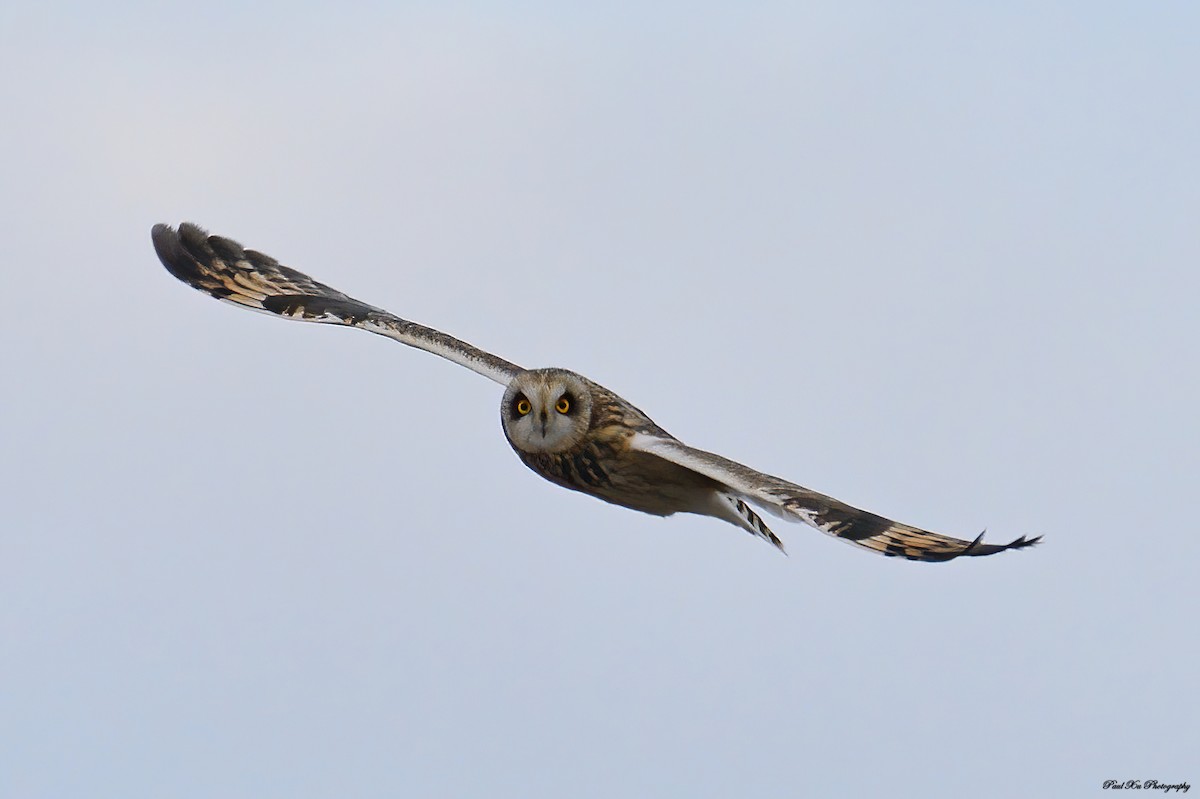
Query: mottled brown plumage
point(571, 431)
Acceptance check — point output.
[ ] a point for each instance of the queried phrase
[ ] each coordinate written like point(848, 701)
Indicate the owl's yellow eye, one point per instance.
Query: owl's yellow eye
point(563, 405)
point(523, 406)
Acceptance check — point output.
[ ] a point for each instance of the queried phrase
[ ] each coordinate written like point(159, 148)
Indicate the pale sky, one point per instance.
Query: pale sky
point(940, 262)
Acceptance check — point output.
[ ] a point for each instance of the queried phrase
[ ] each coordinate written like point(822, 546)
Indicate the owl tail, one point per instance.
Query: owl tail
point(737, 511)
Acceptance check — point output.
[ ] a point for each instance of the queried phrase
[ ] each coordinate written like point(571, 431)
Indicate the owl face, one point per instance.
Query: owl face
point(546, 410)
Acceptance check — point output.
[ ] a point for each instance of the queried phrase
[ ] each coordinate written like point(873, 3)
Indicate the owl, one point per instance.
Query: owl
point(566, 428)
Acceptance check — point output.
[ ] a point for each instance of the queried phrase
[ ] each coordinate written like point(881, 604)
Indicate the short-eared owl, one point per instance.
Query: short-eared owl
point(563, 426)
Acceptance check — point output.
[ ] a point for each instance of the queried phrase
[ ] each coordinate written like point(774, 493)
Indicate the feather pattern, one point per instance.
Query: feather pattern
point(796, 503)
point(222, 268)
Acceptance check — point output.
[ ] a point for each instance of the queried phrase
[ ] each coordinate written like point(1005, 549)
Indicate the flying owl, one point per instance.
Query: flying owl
point(571, 431)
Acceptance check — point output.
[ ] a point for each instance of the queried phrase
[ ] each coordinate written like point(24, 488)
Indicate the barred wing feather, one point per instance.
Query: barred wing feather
point(222, 268)
point(796, 503)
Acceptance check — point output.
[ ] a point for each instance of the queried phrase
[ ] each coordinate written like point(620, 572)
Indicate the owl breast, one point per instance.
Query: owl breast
point(631, 479)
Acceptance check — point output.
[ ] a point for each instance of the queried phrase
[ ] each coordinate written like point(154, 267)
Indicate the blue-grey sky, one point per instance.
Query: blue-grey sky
point(939, 261)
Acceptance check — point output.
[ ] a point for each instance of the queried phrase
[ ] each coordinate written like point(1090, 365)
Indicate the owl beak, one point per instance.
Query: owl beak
point(543, 422)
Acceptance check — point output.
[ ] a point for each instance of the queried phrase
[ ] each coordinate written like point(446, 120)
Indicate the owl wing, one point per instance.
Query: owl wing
point(796, 503)
point(221, 268)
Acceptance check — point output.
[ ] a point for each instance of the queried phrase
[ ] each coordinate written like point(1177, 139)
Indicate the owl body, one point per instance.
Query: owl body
point(623, 477)
point(566, 428)
point(576, 435)
point(579, 435)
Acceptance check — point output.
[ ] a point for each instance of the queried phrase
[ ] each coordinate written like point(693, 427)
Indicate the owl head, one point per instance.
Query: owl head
point(546, 410)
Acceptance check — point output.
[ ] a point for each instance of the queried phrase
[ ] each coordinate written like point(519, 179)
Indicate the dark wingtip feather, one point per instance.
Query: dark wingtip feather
point(974, 545)
point(172, 249)
point(978, 548)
